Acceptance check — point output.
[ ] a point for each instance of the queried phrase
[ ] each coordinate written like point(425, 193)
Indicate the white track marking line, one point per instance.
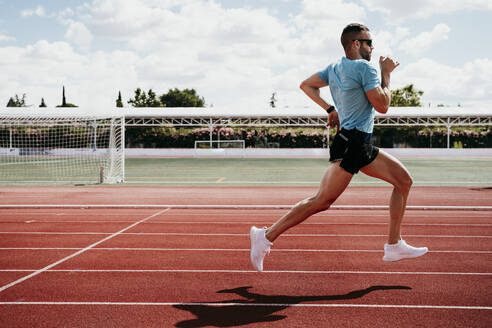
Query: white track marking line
point(245, 206)
point(226, 250)
point(226, 234)
point(307, 305)
point(263, 221)
point(80, 251)
point(255, 272)
point(311, 223)
point(256, 214)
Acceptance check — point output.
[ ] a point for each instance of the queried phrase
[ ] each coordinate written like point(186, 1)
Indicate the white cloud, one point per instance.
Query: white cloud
point(425, 40)
point(55, 52)
point(384, 40)
point(324, 20)
point(198, 44)
point(6, 38)
point(401, 33)
point(467, 85)
point(122, 19)
point(92, 80)
point(401, 10)
point(65, 16)
point(316, 38)
point(78, 33)
point(152, 24)
point(315, 12)
point(38, 11)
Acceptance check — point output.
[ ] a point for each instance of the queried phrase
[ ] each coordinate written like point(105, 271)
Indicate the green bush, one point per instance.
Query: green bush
point(160, 137)
point(435, 137)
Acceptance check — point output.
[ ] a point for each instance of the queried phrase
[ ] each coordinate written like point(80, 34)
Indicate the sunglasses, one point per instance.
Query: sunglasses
point(368, 41)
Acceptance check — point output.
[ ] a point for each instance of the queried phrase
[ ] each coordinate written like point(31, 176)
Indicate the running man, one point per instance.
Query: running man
point(357, 92)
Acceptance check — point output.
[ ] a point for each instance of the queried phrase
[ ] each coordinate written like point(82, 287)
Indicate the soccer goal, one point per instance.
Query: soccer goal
point(218, 144)
point(61, 149)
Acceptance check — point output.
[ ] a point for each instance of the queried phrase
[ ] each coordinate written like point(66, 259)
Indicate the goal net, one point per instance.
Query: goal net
point(61, 149)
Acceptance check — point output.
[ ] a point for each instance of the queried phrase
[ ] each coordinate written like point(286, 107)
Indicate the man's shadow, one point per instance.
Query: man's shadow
point(256, 307)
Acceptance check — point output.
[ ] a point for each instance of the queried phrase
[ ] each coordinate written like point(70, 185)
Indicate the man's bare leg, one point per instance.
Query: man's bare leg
point(389, 169)
point(333, 183)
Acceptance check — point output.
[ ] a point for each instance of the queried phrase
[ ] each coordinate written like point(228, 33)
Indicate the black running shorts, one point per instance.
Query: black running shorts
point(354, 149)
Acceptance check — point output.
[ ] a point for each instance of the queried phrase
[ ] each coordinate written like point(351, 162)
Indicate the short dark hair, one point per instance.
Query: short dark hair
point(350, 32)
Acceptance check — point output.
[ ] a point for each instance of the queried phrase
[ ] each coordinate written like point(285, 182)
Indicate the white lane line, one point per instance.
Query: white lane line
point(80, 251)
point(227, 234)
point(307, 305)
point(263, 221)
point(226, 250)
point(247, 206)
point(255, 272)
point(258, 214)
point(313, 223)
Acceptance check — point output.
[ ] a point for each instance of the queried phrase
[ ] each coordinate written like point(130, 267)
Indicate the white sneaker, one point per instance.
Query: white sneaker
point(402, 250)
point(260, 247)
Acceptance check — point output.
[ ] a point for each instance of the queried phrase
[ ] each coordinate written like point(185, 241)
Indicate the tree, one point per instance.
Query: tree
point(407, 96)
point(17, 102)
point(119, 101)
point(186, 98)
point(43, 104)
point(64, 101)
point(145, 100)
point(273, 100)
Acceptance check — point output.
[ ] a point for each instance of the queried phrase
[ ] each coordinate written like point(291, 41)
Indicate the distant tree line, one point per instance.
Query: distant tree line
point(173, 98)
point(21, 102)
point(17, 102)
point(407, 96)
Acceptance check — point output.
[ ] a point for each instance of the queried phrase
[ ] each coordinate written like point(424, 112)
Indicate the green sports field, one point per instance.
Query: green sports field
point(443, 171)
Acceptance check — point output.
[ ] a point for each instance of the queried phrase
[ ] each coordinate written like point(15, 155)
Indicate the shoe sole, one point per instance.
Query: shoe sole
point(393, 259)
point(252, 238)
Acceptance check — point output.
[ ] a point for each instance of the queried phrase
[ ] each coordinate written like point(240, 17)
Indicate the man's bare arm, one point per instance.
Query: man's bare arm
point(311, 87)
point(380, 97)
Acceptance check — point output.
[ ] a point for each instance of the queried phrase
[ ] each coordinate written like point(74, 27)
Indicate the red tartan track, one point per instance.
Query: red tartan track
point(175, 267)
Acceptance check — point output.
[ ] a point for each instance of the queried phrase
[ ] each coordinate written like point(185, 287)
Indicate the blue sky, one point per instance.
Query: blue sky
point(236, 52)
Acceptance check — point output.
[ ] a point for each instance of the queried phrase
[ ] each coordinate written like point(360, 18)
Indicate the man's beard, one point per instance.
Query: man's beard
point(366, 56)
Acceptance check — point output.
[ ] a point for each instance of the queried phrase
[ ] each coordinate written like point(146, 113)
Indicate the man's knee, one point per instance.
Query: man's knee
point(405, 183)
point(320, 203)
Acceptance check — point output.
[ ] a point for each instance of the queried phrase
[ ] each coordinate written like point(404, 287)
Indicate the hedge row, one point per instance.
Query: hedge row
point(49, 137)
point(185, 138)
point(387, 137)
point(417, 137)
point(161, 137)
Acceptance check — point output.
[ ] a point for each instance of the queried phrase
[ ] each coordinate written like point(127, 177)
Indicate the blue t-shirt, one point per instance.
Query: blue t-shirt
point(349, 80)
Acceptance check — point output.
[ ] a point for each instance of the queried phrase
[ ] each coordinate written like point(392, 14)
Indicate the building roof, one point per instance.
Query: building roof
point(132, 112)
point(297, 112)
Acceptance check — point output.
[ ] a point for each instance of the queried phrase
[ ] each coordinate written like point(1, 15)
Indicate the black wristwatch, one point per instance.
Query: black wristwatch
point(330, 109)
